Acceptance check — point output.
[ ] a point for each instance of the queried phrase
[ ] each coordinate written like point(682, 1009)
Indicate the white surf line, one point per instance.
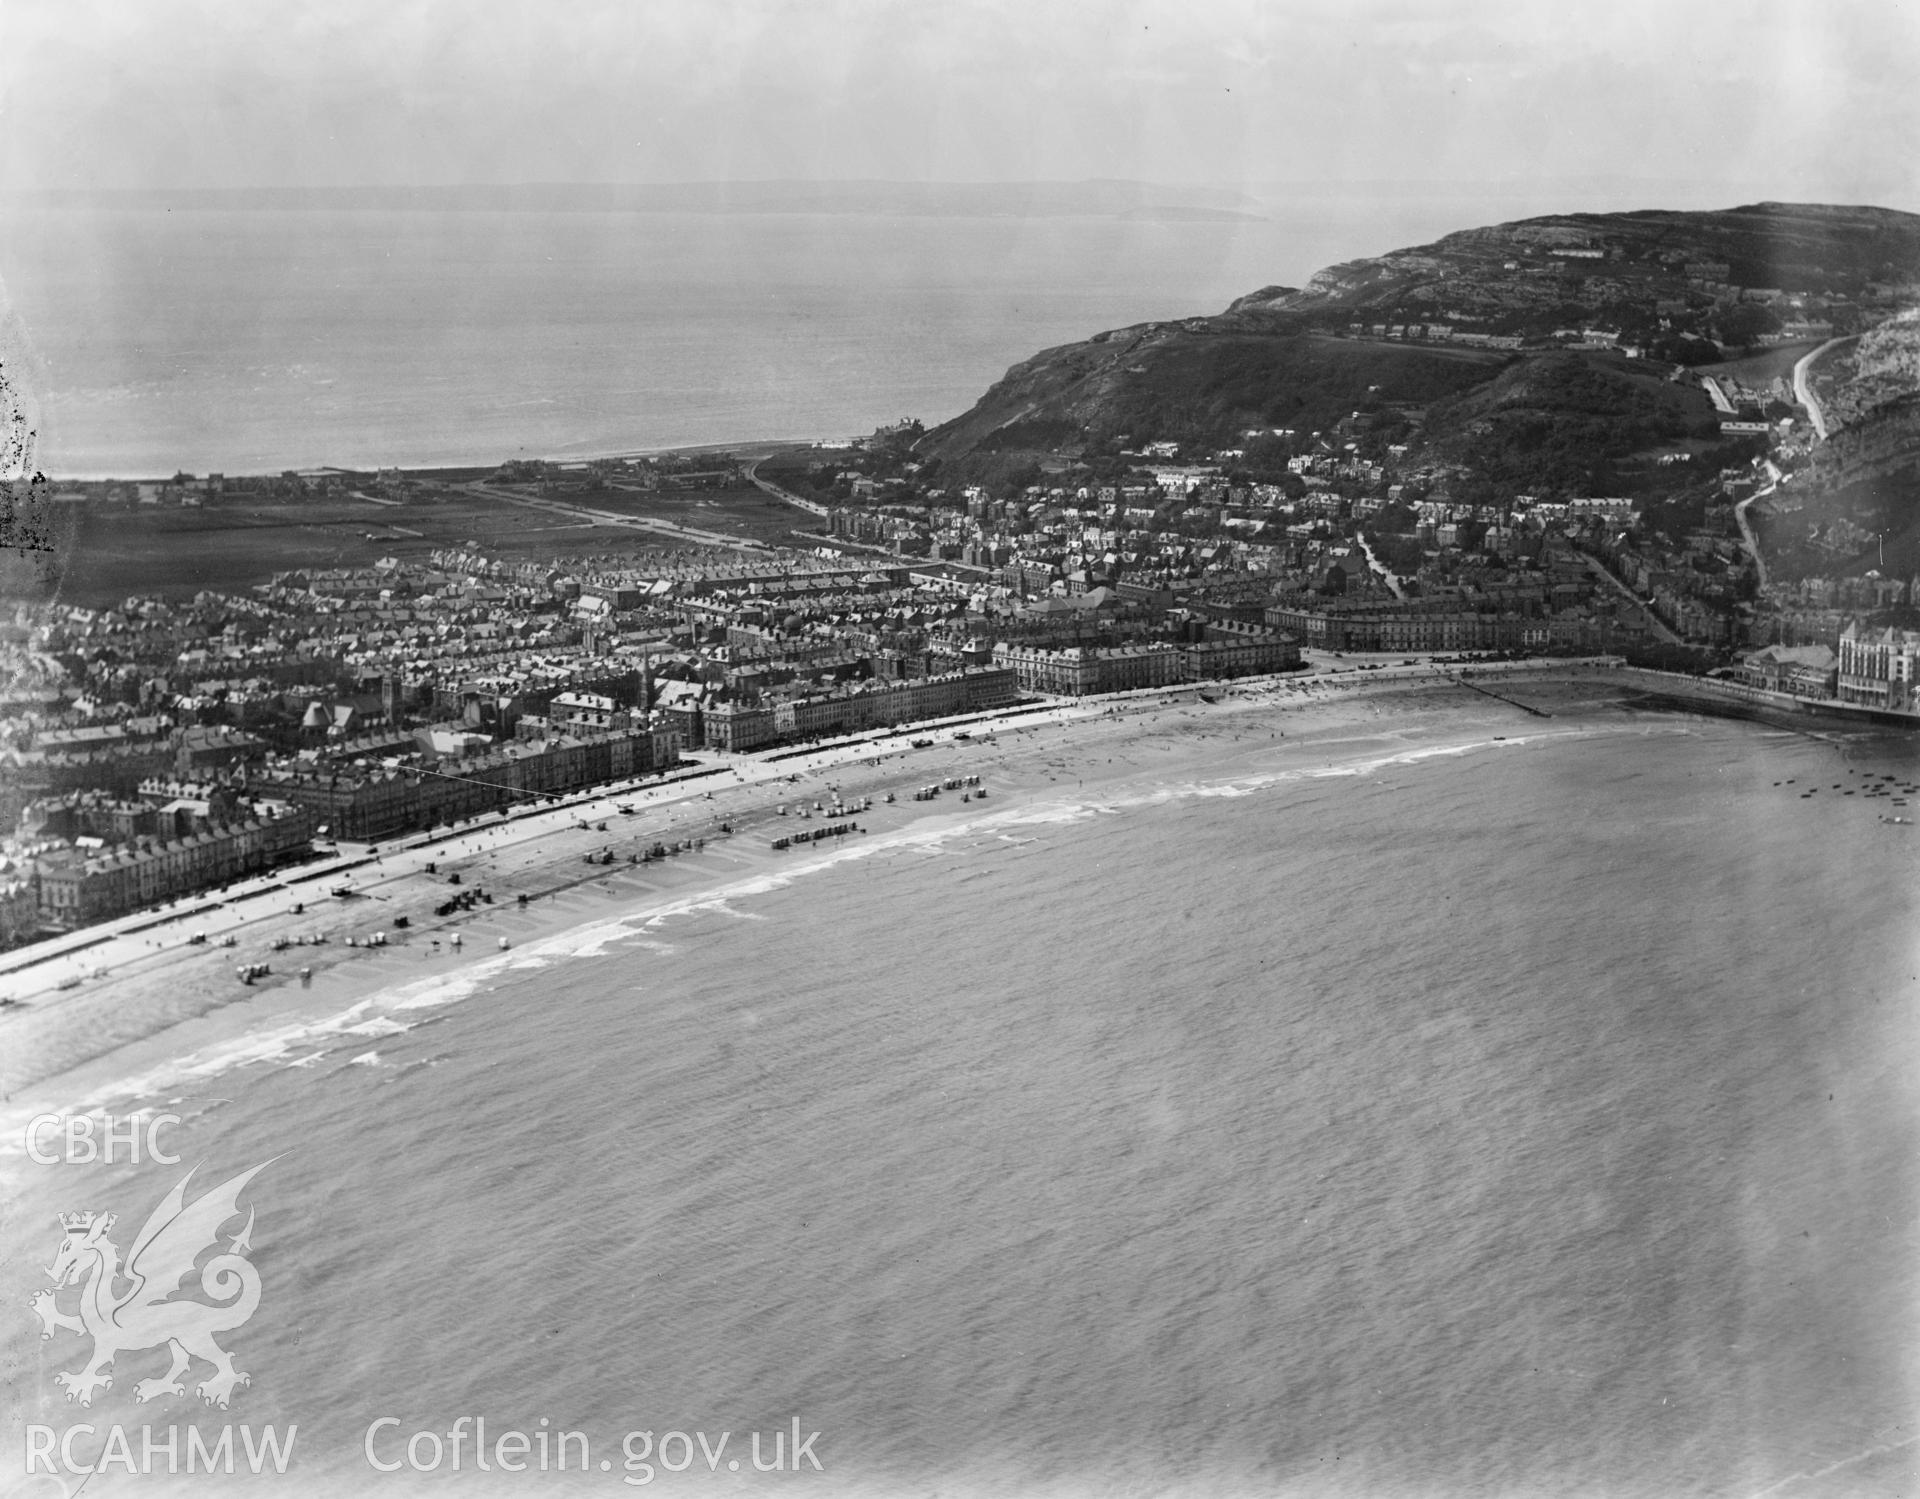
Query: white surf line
point(1831, 1468)
point(640, 925)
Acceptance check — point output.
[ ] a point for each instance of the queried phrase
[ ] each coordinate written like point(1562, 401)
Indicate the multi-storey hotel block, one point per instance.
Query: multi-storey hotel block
point(1229, 650)
point(1876, 667)
point(76, 888)
point(856, 706)
point(377, 803)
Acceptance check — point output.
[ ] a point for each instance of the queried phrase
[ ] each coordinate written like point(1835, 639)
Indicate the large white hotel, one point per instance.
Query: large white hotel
point(1876, 667)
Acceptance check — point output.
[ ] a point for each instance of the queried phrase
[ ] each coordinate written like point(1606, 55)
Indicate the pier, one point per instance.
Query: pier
point(1461, 681)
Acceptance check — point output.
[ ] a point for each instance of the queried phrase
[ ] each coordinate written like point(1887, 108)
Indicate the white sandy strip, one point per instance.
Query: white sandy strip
point(395, 1010)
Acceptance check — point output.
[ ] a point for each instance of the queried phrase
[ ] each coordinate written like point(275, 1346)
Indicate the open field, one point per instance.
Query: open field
point(107, 551)
point(743, 510)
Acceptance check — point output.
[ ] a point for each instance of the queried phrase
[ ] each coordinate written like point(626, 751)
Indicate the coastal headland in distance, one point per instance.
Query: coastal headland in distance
point(1475, 960)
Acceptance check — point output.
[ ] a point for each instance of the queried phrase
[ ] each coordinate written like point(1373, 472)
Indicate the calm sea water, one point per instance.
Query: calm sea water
point(1425, 1116)
point(249, 341)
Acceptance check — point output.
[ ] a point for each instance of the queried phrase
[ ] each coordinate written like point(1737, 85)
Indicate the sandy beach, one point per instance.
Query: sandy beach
point(152, 989)
point(1298, 1006)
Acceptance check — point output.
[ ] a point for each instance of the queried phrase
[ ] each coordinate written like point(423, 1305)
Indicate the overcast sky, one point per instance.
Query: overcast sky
point(1809, 100)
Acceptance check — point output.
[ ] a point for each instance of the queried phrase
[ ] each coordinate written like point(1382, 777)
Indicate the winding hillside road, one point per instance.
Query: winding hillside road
point(1803, 388)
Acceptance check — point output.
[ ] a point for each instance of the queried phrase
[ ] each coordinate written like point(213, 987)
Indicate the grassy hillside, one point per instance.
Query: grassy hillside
point(1192, 386)
point(1561, 421)
point(1408, 328)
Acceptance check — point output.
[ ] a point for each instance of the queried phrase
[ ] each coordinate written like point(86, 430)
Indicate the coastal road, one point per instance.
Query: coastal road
point(1803, 387)
point(812, 507)
point(48, 972)
point(388, 884)
point(55, 965)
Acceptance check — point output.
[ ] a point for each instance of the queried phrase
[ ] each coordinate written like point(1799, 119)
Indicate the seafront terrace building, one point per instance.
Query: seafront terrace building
point(1212, 659)
point(877, 703)
point(1377, 626)
point(1230, 648)
point(737, 727)
point(378, 803)
point(77, 888)
point(881, 704)
point(1799, 670)
point(1076, 671)
point(19, 909)
point(1877, 667)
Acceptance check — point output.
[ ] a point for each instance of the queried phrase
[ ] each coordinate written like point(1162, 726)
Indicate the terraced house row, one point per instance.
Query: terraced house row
point(77, 887)
point(853, 707)
point(1227, 650)
point(371, 803)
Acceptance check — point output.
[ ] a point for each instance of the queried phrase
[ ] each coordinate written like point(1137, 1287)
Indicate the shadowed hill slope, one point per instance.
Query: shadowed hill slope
point(1424, 327)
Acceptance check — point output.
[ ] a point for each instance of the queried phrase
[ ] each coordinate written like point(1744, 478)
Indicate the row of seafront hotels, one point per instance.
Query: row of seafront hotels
point(156, 750)
point(1875, 667)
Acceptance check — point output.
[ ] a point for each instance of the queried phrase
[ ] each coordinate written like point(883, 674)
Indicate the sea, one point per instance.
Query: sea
point(1454, 1105)
point(230, 340)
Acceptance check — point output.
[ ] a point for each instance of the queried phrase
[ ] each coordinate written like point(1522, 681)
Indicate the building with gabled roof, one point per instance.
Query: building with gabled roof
point(1877, 667)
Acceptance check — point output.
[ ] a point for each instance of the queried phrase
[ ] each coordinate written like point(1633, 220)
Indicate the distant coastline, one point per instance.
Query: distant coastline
point(479, 467)
point(1089, 199)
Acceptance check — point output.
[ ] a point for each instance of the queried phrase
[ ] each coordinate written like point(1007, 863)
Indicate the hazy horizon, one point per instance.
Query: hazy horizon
point(1286, 137)
point(756, 192)
point(1795, 103)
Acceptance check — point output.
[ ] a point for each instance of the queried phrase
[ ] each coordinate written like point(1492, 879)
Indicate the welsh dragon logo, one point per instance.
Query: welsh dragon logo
point(163, 1255)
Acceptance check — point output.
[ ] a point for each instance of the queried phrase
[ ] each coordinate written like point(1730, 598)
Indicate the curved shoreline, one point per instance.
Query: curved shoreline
point(153, 983)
